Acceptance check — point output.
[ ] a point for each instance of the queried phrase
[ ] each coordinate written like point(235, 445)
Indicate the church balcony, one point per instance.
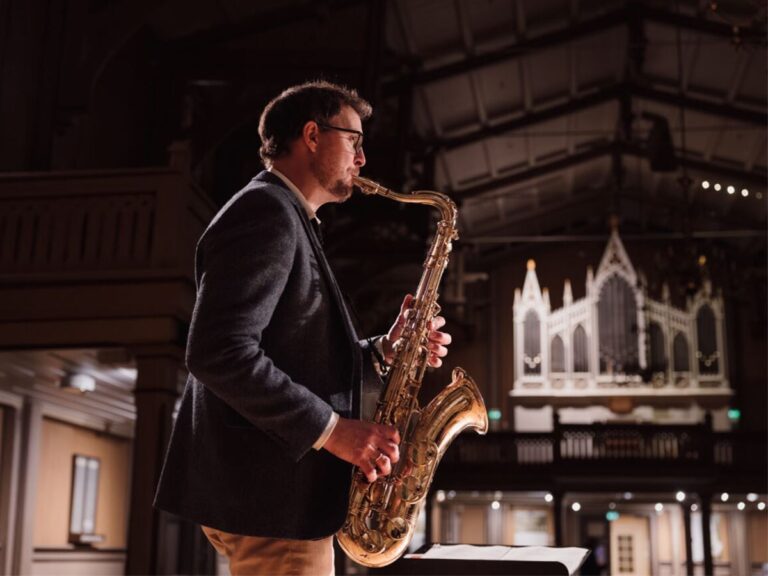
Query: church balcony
point(98, 258)
point(621, 392)
point(607, 457)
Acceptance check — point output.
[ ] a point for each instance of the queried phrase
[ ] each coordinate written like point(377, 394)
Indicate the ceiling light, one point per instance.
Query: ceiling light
point(759, 195)
point(717, 186)
point(731, 189)
point(680, 496)
point(627, 495)
point(495, 505)
point(761, 505)
point(658, 507)
point(741, 505)
point(705, 184)
point(744, 192)
point(575, 506)
point(548, 497)
point(724, 496)
point(752, 497)
point(694, 507)
point(78, 383)
point(440, 496)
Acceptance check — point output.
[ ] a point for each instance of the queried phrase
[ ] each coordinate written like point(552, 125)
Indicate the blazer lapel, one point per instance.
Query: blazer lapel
point(349, 327)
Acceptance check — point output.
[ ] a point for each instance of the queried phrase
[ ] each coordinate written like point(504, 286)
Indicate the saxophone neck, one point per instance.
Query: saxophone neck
point(447, 207)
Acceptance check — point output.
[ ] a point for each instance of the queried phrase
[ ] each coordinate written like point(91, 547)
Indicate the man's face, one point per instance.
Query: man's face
point(337, 159)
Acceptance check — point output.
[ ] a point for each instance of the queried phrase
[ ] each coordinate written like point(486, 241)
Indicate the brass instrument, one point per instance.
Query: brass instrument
point(382, 515)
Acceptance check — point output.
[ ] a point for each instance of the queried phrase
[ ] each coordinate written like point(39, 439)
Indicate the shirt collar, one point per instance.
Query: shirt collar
point(292, 187)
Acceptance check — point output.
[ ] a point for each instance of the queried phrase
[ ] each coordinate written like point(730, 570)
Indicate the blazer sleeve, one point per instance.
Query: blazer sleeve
point(244, 267)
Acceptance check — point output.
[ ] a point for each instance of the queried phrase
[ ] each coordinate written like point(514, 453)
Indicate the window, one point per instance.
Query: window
point(658, 360)
point(618, 330)
point(557, 354)
point(680, 351)
point(531, 344)
point(580, 355)
point(85, 491)
point(705, 331)
point(626, 554)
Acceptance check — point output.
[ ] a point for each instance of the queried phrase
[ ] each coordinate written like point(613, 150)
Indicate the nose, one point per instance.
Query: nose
point(360, 158)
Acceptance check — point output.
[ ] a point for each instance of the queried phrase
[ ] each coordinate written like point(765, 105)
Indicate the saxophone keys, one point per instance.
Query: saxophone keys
point(412, 489)
point(397, 528)
point(423, 454)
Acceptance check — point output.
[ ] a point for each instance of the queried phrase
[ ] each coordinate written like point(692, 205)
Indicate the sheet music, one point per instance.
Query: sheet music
point(571, 558)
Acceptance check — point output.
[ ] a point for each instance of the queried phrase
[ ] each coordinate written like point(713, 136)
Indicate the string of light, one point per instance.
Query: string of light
point(730, 189)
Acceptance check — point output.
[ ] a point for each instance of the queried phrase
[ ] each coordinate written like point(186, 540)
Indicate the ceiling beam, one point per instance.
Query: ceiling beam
point(716, 108)
point(601, 150)
point(570, 33)
point(594, 99)
point(574, 32)
point(536, 171)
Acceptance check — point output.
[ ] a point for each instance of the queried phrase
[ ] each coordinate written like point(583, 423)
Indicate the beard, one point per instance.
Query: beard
point(336, 186)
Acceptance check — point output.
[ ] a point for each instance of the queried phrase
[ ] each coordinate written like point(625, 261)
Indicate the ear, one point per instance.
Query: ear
point(310, 135)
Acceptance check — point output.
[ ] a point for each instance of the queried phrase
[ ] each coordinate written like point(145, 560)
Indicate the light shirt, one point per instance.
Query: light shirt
point(292, 187)
point(320, 442)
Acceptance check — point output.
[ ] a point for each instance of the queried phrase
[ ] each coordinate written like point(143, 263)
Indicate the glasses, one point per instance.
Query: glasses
point(358, 143)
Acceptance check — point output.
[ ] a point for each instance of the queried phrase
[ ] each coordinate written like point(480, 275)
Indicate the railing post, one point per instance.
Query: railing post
point(557, 512)
point(706, 519)
point(707, 441)
point(688, 540)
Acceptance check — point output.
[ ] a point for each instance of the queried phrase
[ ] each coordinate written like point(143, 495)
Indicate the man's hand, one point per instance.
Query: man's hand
point(438, 341)
point(371, 447)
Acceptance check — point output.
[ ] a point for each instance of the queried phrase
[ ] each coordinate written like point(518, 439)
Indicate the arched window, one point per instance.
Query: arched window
point(557, 355)
point(531, 344)
point(580, 350)
point(617, 321)
point(680, 351)
point(707, 337)
point(658, 359)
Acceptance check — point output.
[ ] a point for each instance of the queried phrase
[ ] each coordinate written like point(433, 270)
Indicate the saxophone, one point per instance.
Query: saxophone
point(382, 515)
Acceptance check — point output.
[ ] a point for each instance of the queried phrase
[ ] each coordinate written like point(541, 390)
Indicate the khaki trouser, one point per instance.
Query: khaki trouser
point(254, 555)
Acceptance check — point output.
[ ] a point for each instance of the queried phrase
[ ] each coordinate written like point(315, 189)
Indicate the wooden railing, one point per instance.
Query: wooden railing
point(123, 220)
point(637, 444)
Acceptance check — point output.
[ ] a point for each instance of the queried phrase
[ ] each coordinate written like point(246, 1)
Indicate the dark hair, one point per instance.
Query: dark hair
point(284, 117)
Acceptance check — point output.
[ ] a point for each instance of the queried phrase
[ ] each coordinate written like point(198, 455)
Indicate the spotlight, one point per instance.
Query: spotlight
point(761, 505)
point(705, 184)
point(78, 383)
point(752, 497)
point(744, 192)
point(575, 506)
point(495, 505)
point(717, 186)
point(658, 507)
point(741, 505)
point(731, 189)
point(548, 497)
point(680, 496)
point(724, 496)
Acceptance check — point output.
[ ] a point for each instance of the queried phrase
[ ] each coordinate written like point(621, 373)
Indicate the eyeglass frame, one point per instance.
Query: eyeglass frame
point(358, 145)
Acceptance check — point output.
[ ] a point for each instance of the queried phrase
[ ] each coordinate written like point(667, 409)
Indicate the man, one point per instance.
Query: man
point(267, 431)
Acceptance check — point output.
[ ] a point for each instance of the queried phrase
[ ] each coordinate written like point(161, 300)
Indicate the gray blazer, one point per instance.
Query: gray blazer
point(271, 353)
